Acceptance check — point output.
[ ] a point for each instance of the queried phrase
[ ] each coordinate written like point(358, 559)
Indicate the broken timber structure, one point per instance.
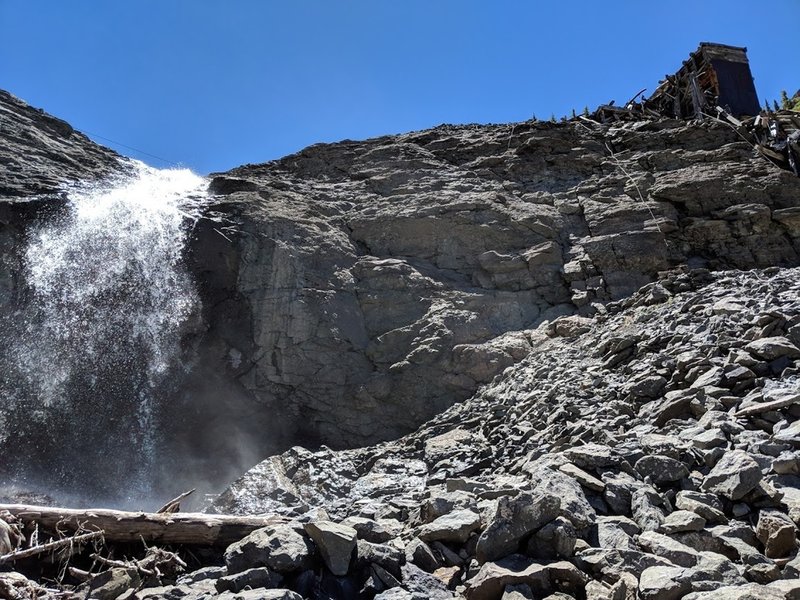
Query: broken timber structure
point(714, 75)
point(715, 83)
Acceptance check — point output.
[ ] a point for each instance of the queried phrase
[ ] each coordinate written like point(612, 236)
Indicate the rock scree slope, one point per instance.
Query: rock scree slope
point(596, 326)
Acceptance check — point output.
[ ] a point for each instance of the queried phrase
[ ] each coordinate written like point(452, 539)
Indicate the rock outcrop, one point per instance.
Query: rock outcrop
point(651, 449)
point(40, 156)
point(364, 287)
point(598, 328)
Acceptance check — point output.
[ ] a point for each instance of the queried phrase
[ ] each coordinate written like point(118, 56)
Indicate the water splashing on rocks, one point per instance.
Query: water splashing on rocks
point(109, 299)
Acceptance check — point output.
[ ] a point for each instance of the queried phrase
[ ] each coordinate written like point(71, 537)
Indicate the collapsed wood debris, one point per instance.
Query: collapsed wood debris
point(77, 550)
point(716, 83)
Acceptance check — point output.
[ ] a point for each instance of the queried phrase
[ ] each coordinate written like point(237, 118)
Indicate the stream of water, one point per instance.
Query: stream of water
point(108, 298)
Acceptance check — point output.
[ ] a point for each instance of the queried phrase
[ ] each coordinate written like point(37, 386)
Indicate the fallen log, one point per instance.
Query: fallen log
point(49, 546)
point(162, 528)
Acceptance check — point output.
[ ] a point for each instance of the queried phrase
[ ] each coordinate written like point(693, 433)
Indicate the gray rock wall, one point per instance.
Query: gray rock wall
point(353, 291)
point(372, 284)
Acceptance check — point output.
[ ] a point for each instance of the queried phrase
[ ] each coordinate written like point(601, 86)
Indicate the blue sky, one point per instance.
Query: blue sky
point(214, 84)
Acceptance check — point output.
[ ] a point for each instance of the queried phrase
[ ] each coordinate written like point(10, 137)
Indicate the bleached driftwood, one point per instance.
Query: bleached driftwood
point(161, 528)
point(49, 547)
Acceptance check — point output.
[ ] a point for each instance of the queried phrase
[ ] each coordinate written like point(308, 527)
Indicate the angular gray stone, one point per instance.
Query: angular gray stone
point(572, 498)
point(661, 469)
point(750, 591)
point(456, 526)
point(259, 577)
point(770, 348)
point(441, 503)
point(554, 540)
point(666, 547)
point(733, 476)
point(646, 509)
point(110, 584)
point(493, 577)
point(707, 506)
point(387, 557)
point(682, 520)
point(259, 594)
point(777, 532)
point(617, 532)
point(371, 530)
point(515, 518)
point(613, 563)
point(419, 553)
point(335, 543)
point(585, 479)
point(281, 548)
point(663, 583)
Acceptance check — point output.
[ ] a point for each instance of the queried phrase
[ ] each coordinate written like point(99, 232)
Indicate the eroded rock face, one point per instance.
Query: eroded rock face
point(354, 290)
point(723, 522)
point(366, 286)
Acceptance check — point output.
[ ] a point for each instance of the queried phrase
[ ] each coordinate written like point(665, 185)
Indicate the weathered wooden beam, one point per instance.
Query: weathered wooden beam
point(159, 528)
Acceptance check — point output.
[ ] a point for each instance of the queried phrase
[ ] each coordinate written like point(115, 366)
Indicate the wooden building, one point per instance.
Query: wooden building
point(714, 75)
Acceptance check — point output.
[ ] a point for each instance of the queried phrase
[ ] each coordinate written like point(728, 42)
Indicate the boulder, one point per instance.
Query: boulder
point(682, 520)
point(456, 526)
point(777, 532)
point(110, 584)
point(281, 548)
point(259, 577)
point(493, 577)
point(771, 348)
point(515, 518)
point(663, 583)
point(336, 544)
point(707, 506)
point(733, 476)
point(661, 469)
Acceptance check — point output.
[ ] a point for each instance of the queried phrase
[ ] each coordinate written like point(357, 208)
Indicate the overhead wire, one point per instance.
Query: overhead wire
point(97, 135)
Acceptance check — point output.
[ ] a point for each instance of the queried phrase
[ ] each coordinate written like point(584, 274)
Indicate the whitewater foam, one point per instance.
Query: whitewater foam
point(109, 298)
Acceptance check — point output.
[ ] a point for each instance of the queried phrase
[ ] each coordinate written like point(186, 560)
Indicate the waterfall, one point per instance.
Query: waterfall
point(108, 299)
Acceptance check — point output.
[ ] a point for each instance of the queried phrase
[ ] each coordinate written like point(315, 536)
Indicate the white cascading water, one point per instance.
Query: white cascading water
point(110, 296)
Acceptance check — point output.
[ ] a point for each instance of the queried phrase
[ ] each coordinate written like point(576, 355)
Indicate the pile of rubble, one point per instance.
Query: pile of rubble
point(651, 451)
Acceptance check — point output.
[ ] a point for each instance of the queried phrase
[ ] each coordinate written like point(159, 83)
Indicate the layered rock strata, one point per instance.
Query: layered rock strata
point(363, 287)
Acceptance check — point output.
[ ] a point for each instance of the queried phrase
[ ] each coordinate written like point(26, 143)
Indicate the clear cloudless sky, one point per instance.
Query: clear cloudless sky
point(212, 84)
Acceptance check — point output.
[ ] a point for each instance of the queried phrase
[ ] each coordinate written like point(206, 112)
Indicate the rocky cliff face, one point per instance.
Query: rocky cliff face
point(596, 326)
point(39, 156)
point(364, 287)
point(354, 290)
